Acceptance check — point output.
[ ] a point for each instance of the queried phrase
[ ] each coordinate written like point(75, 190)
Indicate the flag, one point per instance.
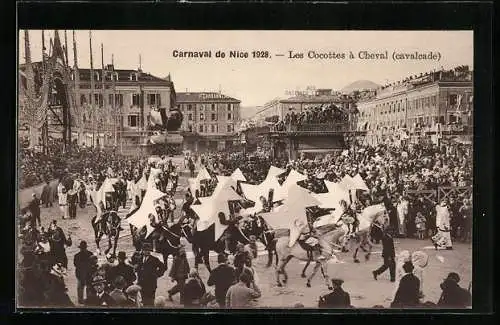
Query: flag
point(237, 175)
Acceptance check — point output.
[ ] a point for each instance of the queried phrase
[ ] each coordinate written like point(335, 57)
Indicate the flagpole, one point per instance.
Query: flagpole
point(92, 90)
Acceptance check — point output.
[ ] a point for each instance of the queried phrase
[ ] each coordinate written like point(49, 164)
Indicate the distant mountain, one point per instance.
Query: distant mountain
point(359, 85)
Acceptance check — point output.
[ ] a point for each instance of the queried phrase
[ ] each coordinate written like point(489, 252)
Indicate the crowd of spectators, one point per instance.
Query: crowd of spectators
point(318, 114)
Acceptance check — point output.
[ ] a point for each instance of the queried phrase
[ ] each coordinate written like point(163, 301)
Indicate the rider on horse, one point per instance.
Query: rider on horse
point(349, 217)
point(228, 234)
point(308, 238)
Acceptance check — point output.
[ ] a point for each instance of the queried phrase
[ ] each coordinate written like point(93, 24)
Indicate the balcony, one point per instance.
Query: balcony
point(312, 128)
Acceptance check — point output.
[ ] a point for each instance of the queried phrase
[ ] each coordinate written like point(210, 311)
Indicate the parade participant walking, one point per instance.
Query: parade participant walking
point(148, 271)
point(453, 296)
point(34, 207)
point(241, 294)
point(171, 206)
point(222, 277)
point(242, 258)
point(388, 254)
point(82, 264)
point(47, 195)
point(443, 238)
point(101, 298)
point(72, 201)
point(122, 269)
point(58, 243)
point(407, 294)
point(193, 290)
point(338, 298)
point(179, 274)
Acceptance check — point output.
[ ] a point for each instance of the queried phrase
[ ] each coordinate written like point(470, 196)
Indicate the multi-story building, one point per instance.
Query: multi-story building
point(210, 120)
point(122, 101)
point(426, 103)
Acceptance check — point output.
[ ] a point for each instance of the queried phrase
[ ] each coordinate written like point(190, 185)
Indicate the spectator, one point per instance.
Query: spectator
point(453, 296)
point(407, 294)
point(149, 270)
point(123, 269)
point(34, 208)
point(222, 277)
point(134, 296)
point(193, 290)
point(101, 298)
point(338, 298)
point(117, 294)
point(241, 294)
point(82, 265)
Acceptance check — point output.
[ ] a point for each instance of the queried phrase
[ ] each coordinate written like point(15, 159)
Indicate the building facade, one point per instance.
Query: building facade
point(210, 120)
point(118, 110)
point(427, 103)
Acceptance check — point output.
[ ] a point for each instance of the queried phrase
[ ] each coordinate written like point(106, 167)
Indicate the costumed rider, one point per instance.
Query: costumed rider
point(308, 238)
point(228, 234)
point(349, 217)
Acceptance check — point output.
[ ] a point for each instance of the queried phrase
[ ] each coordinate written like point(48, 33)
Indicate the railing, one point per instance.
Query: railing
point(313, 127)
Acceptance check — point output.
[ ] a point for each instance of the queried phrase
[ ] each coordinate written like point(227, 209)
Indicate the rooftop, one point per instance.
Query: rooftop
point(203, 97)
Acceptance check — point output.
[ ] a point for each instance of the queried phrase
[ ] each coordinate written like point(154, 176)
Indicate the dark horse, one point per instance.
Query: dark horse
point(203, 242)
point(257, 227)
point(165, 240)
point(109, 225)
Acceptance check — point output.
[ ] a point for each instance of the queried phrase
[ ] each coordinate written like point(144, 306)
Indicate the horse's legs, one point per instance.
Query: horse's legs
point(324, 272)
point(109, 245)
point(269, 257)
point(316, 267)
point(115, 245)
point(206, 261)
point(367, 255)
point(280, 268)
point(97, 241)
point(303, 274)
point(355, 257)
point(285, 275)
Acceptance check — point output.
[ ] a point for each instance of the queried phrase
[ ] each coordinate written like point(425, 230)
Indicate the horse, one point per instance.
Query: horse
point(109, 225)
point(168, 240)
point(372, 222)
point(203, 242)
point(286, 253)
point(258, 227)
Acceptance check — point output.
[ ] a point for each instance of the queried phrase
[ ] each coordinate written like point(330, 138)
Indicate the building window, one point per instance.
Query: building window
point(229, 116)
point(452, 100)
point(96, 75)
point(132, 120)
point(202, 117)
point(154, 99)
point(214, 117)
point(132, 77)
point(212, 127)
point(136, 100)
point(200, 128)
point(213, 107)
point(189, 107)
point(119, 99)
point(230, 128)
point(230, 107)
point(83, 100)
point(190, 128)
point(190, 117)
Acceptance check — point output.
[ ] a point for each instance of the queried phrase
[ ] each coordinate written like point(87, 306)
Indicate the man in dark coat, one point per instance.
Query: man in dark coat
point(82, 268)
point(34, 207)
point(119, 297)
point(149, 269)
point(338, 298)
point(388, 255)
point(101, 298)
point(408, 292)
point(58, 241)
point(223, 276)
point(122, 269)
point(47, 195)
point(453, 296)
point(179, 273)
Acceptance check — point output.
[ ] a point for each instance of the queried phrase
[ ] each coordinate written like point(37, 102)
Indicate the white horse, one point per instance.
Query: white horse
point(285, 253)
point(372, 222)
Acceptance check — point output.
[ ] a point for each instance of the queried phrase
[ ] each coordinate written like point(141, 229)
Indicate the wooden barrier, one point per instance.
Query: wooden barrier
point(429, 195)
point(444, 192)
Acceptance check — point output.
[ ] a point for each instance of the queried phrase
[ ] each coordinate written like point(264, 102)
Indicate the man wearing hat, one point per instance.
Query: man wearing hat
point(389, 256)
point(338, 298)
point(149, 269)
point(34, 207)
point(122, 269)
point(82, 268)
point(453, 296)
point(408, 293)
point(100, 298)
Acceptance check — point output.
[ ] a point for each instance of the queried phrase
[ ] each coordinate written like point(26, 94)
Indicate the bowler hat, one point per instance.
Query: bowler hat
point(147, 247)
point(453, 276)
point(83, 244)
point(337, 282)
point(122, 255)
point(133, 289)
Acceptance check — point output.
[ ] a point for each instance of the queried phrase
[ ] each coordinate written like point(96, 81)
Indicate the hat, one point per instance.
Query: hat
point(453, 276)
point(408, 267)
point(147, 247)
point(133, 289)
point(122, 255)
point(221, 258)
point(98, 280)
point(119, 282)
point(337, 282)
point(83, 244)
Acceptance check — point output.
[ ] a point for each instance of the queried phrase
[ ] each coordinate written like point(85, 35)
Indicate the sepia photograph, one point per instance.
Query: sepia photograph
point(245, 169)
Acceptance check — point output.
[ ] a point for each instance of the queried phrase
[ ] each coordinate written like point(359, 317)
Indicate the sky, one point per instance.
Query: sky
point(256, 81)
